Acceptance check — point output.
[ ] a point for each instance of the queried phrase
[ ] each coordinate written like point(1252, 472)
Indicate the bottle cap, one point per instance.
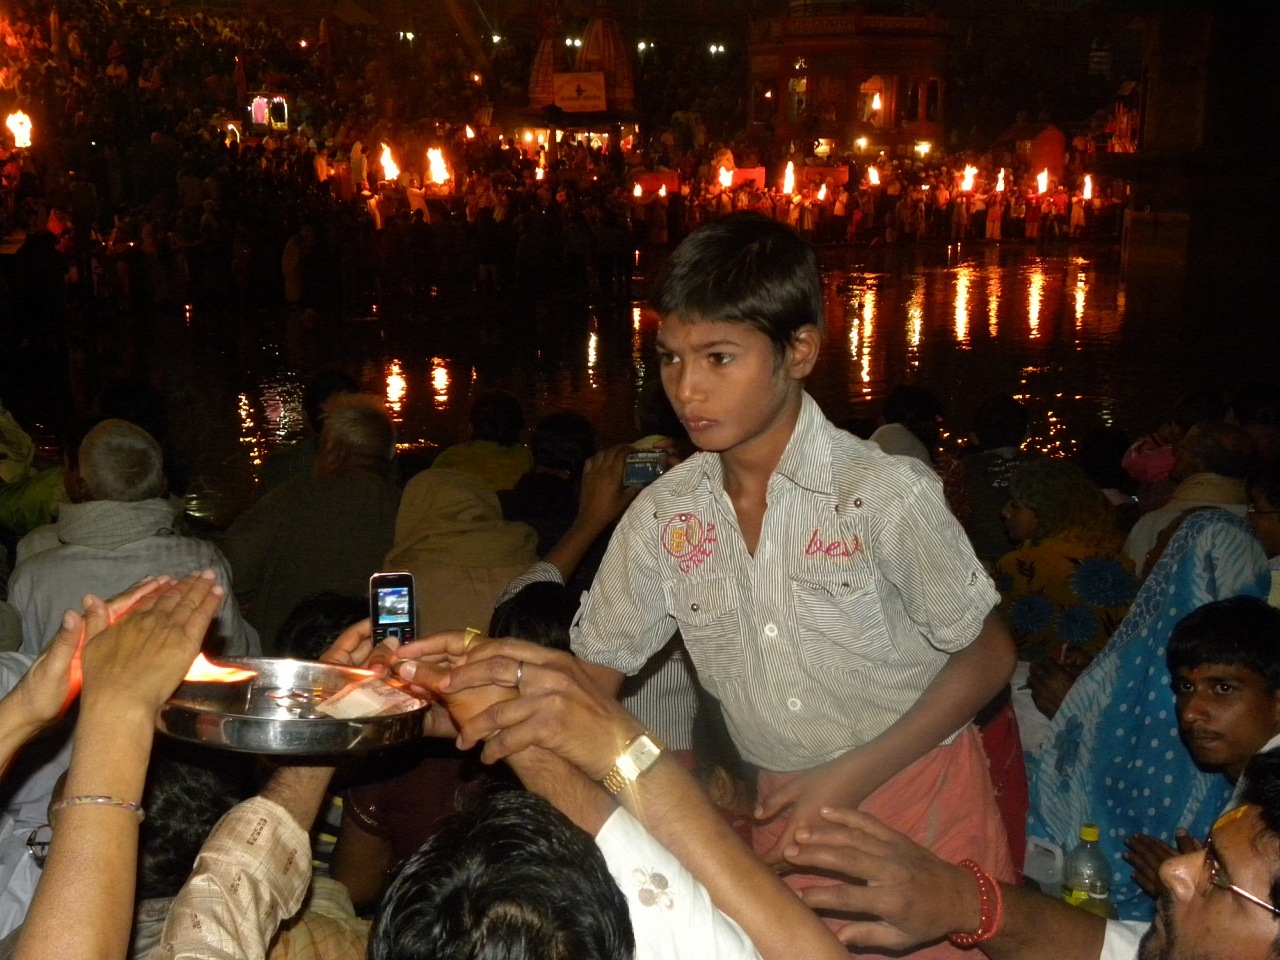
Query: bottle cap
point(1089, 831)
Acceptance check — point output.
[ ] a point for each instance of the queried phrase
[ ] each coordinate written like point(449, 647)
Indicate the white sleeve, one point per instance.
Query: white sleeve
point(1122, 939)
point(671, 912)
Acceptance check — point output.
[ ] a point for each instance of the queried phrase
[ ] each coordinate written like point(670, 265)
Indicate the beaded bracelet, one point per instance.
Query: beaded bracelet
point(100, 801)
point(992, 908)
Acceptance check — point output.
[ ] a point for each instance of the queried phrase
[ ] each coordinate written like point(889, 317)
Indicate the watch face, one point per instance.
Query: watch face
point(644, 751)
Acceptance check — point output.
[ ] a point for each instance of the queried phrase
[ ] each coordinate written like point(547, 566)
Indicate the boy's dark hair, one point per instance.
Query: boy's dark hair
point(540, 613)
point(508, 878)
point(1198, 405)
point(563, 441)
point(744, 268)
point(315, 623)
point(1000, 421)
point(496, 416)
point(1237, 632)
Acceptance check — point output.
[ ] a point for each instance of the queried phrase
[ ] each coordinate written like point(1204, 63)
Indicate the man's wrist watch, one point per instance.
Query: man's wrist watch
point(641, 752)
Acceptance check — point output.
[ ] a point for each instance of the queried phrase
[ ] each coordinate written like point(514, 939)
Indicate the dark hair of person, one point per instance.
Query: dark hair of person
point(183, 801)
point(320, 389)
point(916, 408)
point(496, 416)
point(507, 878)
point(1063, 498)
point(1266, 482)
point(1237, 632)
point(563, 442)
point(540, 613)
point(1100, 454)
point(315, 623)
point(1220, 447)
point(744, 268)
point(1261, 780)
point(1198, 405)
point(1000, 421)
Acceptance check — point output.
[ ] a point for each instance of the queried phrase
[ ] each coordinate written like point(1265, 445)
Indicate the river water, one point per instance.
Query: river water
point(1061, 328)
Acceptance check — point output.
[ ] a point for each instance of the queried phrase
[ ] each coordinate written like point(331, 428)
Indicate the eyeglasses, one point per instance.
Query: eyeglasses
point(1253, 511)
point(38, 843)
point(1217, 877)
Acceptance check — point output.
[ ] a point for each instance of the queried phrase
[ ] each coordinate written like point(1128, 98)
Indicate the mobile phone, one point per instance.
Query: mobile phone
point(642, 468)
point(391, 606)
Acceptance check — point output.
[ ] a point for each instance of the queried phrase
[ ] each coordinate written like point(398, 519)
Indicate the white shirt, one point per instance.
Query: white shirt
point(862, 585)
point(1122, 939)
point(671, 912)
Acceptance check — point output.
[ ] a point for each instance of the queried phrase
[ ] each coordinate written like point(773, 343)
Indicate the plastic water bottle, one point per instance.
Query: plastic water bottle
point(1086, 875)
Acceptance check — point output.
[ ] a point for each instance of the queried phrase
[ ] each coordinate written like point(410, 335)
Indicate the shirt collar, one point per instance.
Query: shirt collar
point(806, 461)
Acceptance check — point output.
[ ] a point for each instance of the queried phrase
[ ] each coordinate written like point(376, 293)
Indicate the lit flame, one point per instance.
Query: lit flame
point(1042, 181)
point(1088, 187)
point(923, 147)
point(873, 176)
point(302, 44)
point(789, 178)
point(539, 173)
point(662, 190)
point(439, 383)
point(439, 172)
point(389, 169)
point(528, 137)
point(875, 102)
point(969, 173)
point(1000, 181)
point(471, 134)
point(726, 177)
point(822, 193)
point(637, 191)
point(397, 386)
point(202, 671)
point(860, 143)
point(19, 125)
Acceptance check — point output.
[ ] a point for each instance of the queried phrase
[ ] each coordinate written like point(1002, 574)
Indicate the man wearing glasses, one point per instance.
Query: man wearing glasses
point(1219, 902)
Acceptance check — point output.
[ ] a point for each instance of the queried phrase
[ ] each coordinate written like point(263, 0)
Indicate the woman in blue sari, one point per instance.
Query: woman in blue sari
point(1113, 756)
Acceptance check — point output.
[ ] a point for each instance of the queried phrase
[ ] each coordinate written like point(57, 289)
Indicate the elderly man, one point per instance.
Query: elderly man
point(1209, 466)
point(117, 530)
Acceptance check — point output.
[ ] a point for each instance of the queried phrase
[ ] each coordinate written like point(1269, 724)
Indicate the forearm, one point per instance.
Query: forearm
point(566, 787)
point(573, 546)
point(673, 808)
point(93, 859)
point(15, 731)
point(300, 790)
point(965, 684)
point(1076, 934)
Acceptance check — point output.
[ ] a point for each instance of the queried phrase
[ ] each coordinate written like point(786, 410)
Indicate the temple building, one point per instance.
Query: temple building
point(827, 71)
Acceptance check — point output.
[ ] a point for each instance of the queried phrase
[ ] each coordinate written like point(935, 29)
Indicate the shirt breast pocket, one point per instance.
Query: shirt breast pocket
point(842, 626)
point(707, 611)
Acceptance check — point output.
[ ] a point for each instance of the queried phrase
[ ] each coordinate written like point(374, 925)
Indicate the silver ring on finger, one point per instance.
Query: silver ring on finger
point(519, 672)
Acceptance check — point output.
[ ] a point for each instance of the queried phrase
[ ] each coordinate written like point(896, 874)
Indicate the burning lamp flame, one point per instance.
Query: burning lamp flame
point(203, 671)
point(662, 190)
point(969, 173)
point(876, 102)
point(789, 178)
point(389, 169)
point(923, 148)
point(726, 177)
point(438, 171)
point(822, 193)
point(1088, 187)
point(471, 134)
point(1042, 181)
point(637, 191)
point(539, 173)
point(1000, 181)
point(873, 176)
point(861, 143)
point(19, 125)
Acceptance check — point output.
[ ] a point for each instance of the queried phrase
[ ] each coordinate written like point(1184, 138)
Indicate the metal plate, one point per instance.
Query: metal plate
point(279, 716)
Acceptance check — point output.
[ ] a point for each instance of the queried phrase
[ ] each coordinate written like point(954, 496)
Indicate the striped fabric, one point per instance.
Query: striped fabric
point(862, 584)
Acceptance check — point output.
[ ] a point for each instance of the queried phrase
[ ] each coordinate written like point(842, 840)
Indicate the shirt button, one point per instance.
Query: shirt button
point(694, 607)
point(770, 629)
point(793, 703)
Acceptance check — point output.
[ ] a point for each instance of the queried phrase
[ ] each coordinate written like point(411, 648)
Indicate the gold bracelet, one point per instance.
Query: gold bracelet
point(99, 801)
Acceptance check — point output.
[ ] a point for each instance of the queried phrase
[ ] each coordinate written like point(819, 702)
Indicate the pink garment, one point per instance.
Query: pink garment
point(1148, 460)
point(943, 801)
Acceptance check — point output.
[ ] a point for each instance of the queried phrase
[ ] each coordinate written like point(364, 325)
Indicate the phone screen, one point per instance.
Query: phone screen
point(393, 605)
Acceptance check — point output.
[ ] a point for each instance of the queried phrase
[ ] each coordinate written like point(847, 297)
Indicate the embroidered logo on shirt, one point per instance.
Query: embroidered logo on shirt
point(835, 548)
point(686, 538)
point(653, 889)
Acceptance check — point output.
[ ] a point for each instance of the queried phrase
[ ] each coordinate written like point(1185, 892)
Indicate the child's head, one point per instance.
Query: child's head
point(1000, 421)
point(748, 269)
point(496, 416)
point(540, 613)
point(1224, 658)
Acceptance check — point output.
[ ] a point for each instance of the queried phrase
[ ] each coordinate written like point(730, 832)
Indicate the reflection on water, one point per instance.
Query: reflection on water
point(1058, 332)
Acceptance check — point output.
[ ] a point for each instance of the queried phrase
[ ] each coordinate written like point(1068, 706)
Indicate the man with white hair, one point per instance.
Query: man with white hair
point(118, 529)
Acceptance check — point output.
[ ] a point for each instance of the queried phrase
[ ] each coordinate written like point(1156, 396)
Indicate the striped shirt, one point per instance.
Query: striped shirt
point(861, 586)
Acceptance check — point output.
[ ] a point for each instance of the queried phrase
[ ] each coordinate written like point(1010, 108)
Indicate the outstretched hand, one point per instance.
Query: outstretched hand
point(916, 897)
point(1146, 854)
point(838, 783)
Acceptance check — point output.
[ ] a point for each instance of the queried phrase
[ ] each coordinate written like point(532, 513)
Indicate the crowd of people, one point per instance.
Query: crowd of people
point(831, 655)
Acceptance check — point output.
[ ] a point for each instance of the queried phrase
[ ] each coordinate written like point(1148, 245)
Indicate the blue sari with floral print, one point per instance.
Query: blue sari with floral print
point(1113, 756)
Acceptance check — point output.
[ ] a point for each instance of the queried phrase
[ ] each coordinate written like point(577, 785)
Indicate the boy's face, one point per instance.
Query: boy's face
point(1226, 714)
point(728, 385)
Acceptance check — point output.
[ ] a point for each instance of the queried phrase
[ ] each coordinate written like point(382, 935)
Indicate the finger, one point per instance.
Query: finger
point(771, 804)
point(1186, 842)
point(502, 717)
point(872, 933)
point(97, 617)
point(352, 646)
point(515, 649)
point(862, 822)
point(168, 598)
point(490, 671)
point(131, 596)
point(445, 643)
point(62, 648)
point(197, 623)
